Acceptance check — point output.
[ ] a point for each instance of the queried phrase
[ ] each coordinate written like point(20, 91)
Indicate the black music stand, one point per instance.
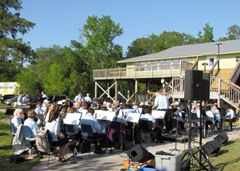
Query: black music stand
point(71, 133)
point(176, 113)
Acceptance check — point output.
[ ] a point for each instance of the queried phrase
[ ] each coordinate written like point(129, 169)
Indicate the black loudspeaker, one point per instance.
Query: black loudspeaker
point(211, 147)
point(193, 85)
point(140, 154)
point(206, 87)
point(222, 138)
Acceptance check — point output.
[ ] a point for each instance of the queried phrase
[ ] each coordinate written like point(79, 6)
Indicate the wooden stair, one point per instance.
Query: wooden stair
point(224, 74)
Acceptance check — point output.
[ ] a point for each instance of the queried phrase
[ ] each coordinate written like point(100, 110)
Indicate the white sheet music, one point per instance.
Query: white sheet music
point(158, 114)
point(133, 117)
point(105, 115)
point(72, 118)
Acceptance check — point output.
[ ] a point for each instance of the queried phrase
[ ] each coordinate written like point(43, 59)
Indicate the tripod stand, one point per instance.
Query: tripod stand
point(193, 158)
point(71, 133)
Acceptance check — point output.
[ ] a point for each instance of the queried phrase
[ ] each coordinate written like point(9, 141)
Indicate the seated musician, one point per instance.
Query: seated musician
point(178, 118)
point(217, 115)
point(77, 106)
point(103, 123)
point(146, 115)
point(117, 133)
point(230, 117)
point(89, 119)
point(134, 108)
point(209, 118)
point(199, 111)
point(108, 106)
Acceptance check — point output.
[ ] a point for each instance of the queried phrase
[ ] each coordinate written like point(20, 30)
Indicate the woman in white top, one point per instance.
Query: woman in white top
point(54, 127)
point(31, 123)
point(17, 120)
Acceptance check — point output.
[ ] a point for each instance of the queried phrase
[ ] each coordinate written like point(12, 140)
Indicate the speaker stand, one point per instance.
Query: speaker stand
point(193, 158)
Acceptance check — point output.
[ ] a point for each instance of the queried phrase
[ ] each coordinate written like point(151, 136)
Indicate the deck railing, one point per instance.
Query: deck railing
point(153, 71)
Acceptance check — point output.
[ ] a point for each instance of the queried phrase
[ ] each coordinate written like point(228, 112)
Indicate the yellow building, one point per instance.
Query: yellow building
point(166, 71)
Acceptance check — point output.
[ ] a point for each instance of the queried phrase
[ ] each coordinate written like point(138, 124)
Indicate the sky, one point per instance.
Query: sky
point(60, 21)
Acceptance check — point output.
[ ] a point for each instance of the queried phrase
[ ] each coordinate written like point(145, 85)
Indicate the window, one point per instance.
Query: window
point(211, 61)
point(237, 58)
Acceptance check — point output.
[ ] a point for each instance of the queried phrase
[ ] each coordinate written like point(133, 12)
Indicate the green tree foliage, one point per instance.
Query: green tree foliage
point(141, 46)
point(154, 43)
point(12, 48)
point(54, 82)
point(99, 34)
point(169, 39)
point(27, 79)
point(233, 33)
point(207, 35)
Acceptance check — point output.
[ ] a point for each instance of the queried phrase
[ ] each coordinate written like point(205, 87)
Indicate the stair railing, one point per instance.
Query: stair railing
point(236, 73)
point(214, 65)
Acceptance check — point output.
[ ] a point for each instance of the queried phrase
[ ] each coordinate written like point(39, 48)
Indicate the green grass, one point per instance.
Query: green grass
point(229, 157)
point(227, 160)
point(6, 152)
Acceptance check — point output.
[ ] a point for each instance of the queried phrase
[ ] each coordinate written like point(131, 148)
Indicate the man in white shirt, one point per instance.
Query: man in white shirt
point(89, 119)
point(88, 98)
point(79, 98)
point(20, 98)
point(161, 102)
point(209, 118)
point(230, 117)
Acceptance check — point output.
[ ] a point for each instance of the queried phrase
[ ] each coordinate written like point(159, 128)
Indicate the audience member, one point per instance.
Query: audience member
point(17, 120)
point(31, 123)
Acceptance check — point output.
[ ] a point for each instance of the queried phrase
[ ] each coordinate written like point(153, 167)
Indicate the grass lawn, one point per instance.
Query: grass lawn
point(6, 150)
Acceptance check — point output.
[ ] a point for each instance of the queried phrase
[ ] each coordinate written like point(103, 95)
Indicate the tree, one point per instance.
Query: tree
point(99, 34)
point(154, 43)
point(140, 46)
point(207, 35)
point(54, 81)
point(27, 80)
point(11, 24)
point(234, 32)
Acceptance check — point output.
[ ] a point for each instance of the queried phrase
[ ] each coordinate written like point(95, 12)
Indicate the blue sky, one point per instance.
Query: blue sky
point(59, 21)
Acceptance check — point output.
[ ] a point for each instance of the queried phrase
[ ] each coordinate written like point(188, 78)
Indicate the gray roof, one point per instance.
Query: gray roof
point(203, 49)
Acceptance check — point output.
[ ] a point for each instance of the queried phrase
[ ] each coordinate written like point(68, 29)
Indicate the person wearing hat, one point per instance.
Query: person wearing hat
point(94, 106)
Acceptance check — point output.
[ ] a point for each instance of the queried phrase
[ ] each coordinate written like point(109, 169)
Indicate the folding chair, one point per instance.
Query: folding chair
point(117, 134)
point(51, 150)
point(13, 129)
point(88, 136)
point(23, 140)
point(146, 127)
point(71, 132)
point(28, 134)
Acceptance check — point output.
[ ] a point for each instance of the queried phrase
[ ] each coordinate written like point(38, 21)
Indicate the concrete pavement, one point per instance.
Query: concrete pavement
point(114, 161)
